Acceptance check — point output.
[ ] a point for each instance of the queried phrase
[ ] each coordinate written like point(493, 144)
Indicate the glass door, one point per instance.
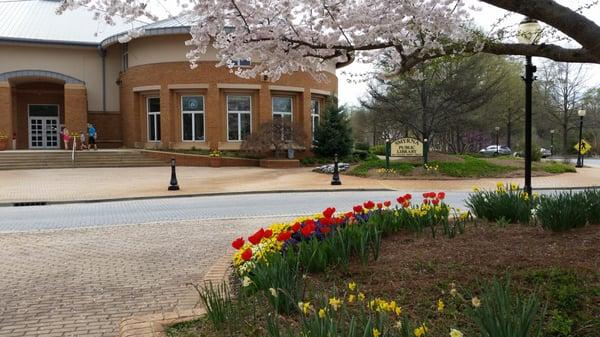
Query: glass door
point(43, 126)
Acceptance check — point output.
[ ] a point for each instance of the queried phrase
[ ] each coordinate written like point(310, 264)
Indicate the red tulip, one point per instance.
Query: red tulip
point(426, 201)
point(256, 237)
point(379, 205)
point(325, 221)
point(296, 227)
point(328, 213)
point(325, 230)
point(435, 202)
point(268, 233)
point(247, 254)
point(426, 195)
point(369, 204)
point(358, 209)
point(308, 229)
point(349, 215)
point(237, 243)
point(400, 200)
point(441, 195)
point(432, 195)
point(408, 196)
point(284, 236)
point(387, 203)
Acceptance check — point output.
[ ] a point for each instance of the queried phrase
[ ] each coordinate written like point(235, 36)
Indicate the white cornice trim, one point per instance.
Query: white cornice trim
point(285, 88)
point(320, 92)
point(147, 88)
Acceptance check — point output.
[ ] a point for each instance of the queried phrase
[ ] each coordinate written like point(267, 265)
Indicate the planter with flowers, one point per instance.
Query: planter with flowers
point(3, 141)
point(215, 158)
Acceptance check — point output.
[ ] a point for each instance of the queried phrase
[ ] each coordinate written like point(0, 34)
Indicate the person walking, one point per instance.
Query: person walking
point(66, 137)
point(92, 134)
point(83, 141)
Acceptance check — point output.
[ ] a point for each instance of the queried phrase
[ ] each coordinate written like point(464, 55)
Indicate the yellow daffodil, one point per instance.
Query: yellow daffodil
point(361, 297)
point(475, 189)
point(398, 325)
point(440, 305)
point(352, 286)
point(322, 313)
point(335, 303)
point(305, 307)
point(475, 302)
point(376, 332)
point(420, 331)
point(514, 186)
point(273, 292)
point(351, 298)
point(398, 311)
point(246, 282)
point(455, 333)
point(453, 292)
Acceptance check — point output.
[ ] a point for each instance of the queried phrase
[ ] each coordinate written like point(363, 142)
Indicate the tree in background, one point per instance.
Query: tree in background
point(273, 137)
point(563, 87)
point(443, 103)
point(591, 103)
point(334, 134)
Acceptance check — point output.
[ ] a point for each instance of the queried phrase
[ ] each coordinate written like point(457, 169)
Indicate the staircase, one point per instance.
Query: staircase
point(24, 160)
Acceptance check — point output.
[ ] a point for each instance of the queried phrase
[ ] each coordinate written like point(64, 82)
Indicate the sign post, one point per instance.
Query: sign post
point(409, 147)
point(388, 150)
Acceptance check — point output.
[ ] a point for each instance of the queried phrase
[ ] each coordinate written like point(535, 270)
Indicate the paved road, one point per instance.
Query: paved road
point(18, 219)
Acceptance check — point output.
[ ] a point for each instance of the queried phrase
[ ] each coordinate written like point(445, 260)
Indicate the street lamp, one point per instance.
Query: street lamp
point(581, 114)
point(529, 33)
point(497, 139)
point(552, 142)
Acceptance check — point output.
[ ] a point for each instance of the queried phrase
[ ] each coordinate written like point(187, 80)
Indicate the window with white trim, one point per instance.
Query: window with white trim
point(192, 118)
point(242, 63)
point(282, 108)
point(153, 108)
point(239, 117)
point(315, 114)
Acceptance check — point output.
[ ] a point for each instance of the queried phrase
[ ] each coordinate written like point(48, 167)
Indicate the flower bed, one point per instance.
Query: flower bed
point(296, 279)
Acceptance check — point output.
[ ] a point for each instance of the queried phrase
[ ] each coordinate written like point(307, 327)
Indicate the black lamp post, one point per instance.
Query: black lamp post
point(335, 180)
point(581, 114)
point(497, 140)
point(173, 186)
point(529, 33)
point(552, 142)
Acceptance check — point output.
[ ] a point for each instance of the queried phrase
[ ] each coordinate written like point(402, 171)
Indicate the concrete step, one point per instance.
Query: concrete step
point(19, 160)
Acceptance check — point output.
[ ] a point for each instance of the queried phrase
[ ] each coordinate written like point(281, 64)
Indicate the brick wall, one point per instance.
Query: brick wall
point(108, 125)
point(154, 80)
point(6, 109)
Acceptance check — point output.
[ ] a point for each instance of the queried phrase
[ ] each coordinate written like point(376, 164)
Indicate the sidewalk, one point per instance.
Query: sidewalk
point(63, 185)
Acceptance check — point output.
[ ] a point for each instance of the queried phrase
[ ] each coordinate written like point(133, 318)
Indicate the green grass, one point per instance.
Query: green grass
point(556, 167)
point(362, 169)
point(472, 167)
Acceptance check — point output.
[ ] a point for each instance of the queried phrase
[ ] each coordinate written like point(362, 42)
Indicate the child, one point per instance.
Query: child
point(82, 139)
point(66, 137)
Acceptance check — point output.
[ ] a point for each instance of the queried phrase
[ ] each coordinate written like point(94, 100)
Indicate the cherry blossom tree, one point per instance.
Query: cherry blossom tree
point(312, 35)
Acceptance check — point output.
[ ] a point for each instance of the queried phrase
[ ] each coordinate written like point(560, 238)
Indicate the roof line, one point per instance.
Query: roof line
point(49, 42)
point(147, 32)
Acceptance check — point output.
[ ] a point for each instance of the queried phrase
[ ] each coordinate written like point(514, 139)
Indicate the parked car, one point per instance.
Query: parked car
point(545, 152)
point(491, 150)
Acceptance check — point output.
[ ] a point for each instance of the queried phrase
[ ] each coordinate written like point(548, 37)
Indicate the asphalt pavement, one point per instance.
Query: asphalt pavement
point(100, 214)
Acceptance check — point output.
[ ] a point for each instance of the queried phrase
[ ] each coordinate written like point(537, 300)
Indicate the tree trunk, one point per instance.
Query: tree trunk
point(565, 139)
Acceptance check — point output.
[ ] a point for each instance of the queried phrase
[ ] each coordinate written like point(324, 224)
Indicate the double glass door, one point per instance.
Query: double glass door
point(44, 127)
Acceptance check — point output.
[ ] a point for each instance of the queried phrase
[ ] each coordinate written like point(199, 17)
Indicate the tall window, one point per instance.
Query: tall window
point(153, 106)
point(239, 117)
point(315, 111)
point(282, 109)
point(192, 112)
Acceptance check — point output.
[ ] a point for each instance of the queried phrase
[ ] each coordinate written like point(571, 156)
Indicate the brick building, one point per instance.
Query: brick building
point(71, 70)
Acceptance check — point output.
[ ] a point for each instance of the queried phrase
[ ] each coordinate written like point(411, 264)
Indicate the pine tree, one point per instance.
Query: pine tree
point(333, 134)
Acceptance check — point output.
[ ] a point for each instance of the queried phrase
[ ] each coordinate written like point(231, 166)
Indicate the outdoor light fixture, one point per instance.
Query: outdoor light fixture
point(581, 114)
point(529, 33)
point(497, 139)
point(552, 142)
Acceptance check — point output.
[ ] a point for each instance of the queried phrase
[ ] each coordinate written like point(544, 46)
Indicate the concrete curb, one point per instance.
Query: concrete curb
point(154, 325)
point(192, 195)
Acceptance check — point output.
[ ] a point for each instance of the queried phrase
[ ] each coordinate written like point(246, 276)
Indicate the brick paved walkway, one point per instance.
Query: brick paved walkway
point(83, 282)
point(107, 183)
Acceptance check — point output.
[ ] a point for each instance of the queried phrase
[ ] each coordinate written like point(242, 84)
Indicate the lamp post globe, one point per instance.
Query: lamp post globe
point(529, 33)
point(581, 114)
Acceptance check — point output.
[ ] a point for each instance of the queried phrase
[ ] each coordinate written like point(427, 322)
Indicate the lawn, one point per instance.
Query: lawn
point(455, 166)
